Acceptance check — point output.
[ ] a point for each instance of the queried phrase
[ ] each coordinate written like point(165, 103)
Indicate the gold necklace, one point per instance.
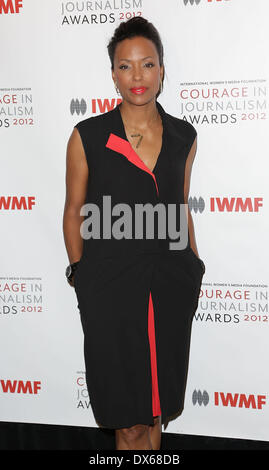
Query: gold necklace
point(141, 135)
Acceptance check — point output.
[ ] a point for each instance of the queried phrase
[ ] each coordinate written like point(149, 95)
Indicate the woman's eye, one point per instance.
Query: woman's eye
point(148, 65)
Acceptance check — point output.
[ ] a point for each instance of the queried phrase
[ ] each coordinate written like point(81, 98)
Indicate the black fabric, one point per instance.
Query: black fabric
point(115, 278)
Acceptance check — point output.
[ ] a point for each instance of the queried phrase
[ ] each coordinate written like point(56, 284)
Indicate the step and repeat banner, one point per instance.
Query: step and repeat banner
point(55, 71)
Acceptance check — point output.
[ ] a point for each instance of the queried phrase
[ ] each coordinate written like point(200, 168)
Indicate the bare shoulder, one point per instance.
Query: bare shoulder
point(77, 172)
point(188, 168)
point(76, 155)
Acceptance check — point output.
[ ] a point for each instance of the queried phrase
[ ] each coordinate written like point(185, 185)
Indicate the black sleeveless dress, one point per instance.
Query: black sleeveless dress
point(136, 296)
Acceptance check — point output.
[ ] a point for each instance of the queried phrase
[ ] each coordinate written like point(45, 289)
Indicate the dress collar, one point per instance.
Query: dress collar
point(118, 142)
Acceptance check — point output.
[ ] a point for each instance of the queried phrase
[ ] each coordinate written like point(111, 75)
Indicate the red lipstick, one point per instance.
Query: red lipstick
point(138, 90)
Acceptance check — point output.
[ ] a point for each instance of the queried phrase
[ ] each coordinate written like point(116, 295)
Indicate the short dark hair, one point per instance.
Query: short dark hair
point(135, 26)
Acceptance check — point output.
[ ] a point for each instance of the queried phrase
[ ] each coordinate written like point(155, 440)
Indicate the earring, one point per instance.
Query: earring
point(161, 87)
point(117, 90)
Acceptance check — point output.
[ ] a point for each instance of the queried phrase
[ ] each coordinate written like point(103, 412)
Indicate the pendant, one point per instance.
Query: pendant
point(137, 135)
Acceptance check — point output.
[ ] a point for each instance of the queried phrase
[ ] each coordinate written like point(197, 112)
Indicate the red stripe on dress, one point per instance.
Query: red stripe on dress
point(156, 407)
point(124, 147)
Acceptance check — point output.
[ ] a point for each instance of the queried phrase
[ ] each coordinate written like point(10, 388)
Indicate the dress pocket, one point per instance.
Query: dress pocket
point(77, 271)
point(200, 261)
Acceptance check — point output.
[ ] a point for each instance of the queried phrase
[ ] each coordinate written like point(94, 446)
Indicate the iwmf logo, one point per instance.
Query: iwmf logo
point(191, 2)
point(10, 6)
point(78, 106)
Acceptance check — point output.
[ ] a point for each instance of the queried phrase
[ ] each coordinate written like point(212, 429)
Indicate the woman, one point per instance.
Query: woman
point(136, 296)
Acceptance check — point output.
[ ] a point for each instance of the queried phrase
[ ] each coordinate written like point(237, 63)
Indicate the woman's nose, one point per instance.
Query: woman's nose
point(137, 72)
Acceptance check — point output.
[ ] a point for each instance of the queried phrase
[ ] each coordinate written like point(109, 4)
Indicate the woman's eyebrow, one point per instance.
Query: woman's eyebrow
point(128, 60)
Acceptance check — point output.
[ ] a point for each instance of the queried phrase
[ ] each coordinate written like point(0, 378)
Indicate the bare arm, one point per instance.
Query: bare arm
point(76, 187)
point(188, 169)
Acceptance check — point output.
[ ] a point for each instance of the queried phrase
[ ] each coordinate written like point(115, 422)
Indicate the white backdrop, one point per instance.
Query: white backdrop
point(53, 56)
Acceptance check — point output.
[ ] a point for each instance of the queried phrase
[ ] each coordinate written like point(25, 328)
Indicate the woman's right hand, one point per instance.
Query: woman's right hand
point(71, 282)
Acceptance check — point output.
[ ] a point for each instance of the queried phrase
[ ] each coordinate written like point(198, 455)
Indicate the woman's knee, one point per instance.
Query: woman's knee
point(133, 432)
